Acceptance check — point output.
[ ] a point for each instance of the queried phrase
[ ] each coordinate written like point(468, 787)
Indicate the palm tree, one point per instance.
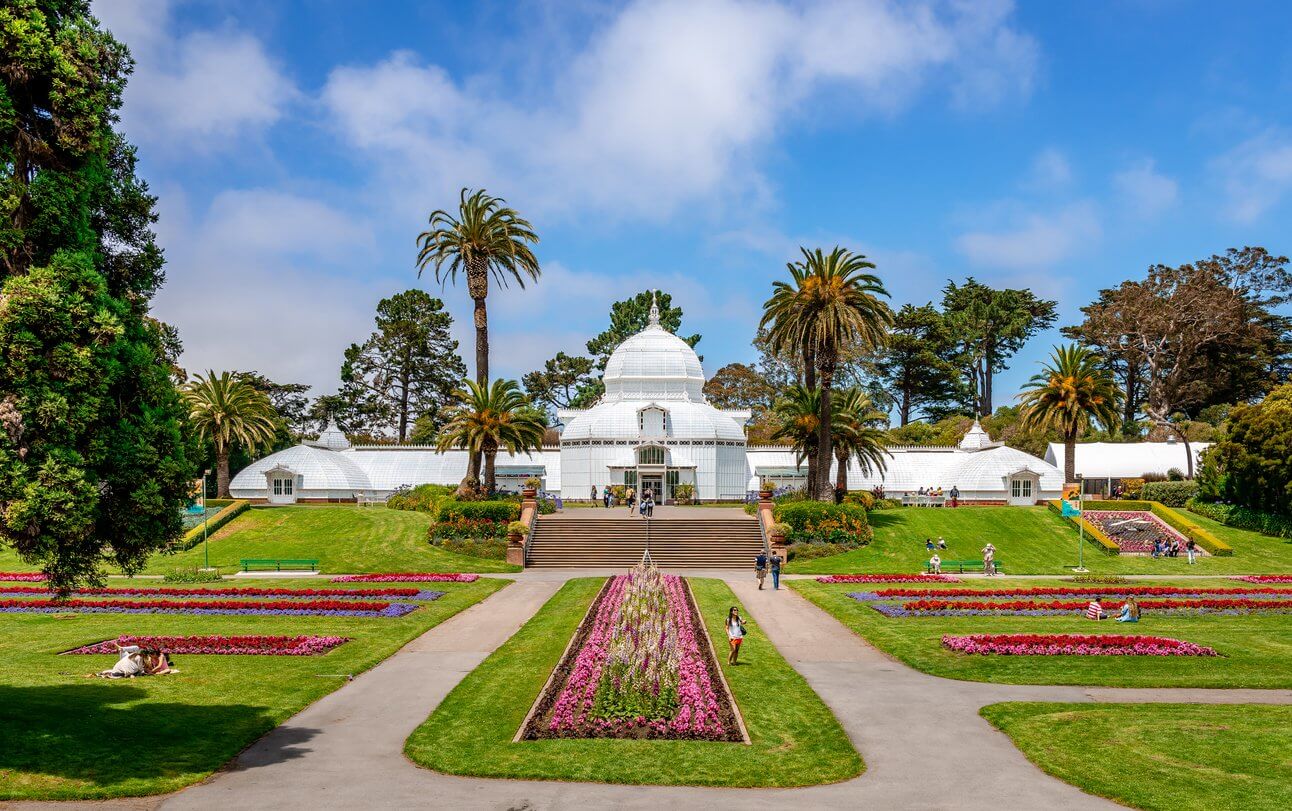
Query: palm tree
point(855, 428)
point(830, 303)
point(1072, 391)
point(797, 415)
point(492, 418)
point(226, 409)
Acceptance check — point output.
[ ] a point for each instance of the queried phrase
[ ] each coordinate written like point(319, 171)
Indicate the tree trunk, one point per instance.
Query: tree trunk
point(841, 475)
point(1132, 392)
point(984, 409)
point(809, 367)
point(904, 409)
point(822, 489)
point(490, 483)
point(1069, 458)
point(222, 472)
point(403, 409)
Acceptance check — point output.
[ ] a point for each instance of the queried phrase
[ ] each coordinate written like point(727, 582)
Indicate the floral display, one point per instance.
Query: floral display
point(639, 668)
point(1043, 608)
point(406, 577)
point(888, 578)
point(224, 645)
point(1266, 578)
point(331, 608)
point(1075, 591)
point(409, 593)
point(1073, 645)
point(23, 577)
point(1134, 531)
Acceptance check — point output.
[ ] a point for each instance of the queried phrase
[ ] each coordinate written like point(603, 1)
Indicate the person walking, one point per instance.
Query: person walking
point(955, 496)
point(594, 494)
point(989, 560)
point(1189, 550)
point(760, 569)
point(776, 571)
point(735, 634)
point(605, 496)
point(648, 502)
point(631, 497)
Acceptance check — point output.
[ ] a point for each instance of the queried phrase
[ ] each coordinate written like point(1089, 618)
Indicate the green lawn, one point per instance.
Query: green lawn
point(1176, 757)
point(68, 737)
point(1256, 650)
point(796, 740)
point(1032, 540)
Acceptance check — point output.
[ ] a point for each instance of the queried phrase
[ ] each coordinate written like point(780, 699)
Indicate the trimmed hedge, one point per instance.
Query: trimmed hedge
point(823, 522)
point(1172, 494)
point(1239, 517)
point(1095, 535)
point(504, 511)
point(194, 536)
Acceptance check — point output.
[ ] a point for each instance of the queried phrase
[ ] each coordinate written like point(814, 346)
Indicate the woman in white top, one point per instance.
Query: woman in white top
point(130, 663)
point(735, 634)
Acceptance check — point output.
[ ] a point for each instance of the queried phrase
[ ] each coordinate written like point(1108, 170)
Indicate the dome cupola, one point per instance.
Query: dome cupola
point(654, 364)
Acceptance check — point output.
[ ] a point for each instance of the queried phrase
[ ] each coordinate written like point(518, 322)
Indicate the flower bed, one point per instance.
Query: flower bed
point(408, 593)
point(331, 608)
point(223, 645)
point(1044, 608)
point(23, 577)
point(406, 577)
point(1136, 537)
point(1266, 578)
point(888, 578)
point(639, 666)
point(1073, 645)
point(1075, 591)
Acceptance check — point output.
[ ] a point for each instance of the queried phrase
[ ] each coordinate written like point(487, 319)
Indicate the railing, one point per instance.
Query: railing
point(529, 537)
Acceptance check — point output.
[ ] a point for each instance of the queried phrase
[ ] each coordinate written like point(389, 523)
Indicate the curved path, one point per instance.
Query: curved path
point(924, 744)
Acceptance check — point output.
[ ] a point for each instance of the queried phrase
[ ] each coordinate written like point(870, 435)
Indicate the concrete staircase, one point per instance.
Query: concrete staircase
point(618, 542)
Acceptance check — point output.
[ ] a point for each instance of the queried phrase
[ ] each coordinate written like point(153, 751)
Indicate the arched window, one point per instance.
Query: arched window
point(650, 455)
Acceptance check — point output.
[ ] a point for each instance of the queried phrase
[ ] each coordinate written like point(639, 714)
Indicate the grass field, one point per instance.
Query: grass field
point(1173, 757)
point(1033, 540)
point(1255, 650)
point(796, 740)
point(345, 539)
point(69, 737)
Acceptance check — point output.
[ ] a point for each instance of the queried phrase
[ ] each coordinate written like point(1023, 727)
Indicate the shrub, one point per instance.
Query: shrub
point(750, 508)
point(684, 492)
point(888, 504)
point(1175, 474)
point(518, 528)
point(861, 497)
point(1099, 579)
point(1131, 488)
point(546, 506)
point(422, 498)
point(533, 482)
point(1172, 493)
point(822, 522)
point(792, 496)
point(1153, 477)
point(502, 511)
point(1234, 515)
point(492, 549)
point(783, 530)
point(467, 528)
point(191, 574)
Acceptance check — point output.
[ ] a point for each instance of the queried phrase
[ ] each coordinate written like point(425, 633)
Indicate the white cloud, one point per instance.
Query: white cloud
point(1050, 170)
point(669, 103)
point(1033, 241)
point(1144, 191)
point(199, 89)
point(1256, 174)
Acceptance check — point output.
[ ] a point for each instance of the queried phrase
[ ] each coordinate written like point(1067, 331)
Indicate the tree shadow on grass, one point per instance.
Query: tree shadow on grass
point(109, 739)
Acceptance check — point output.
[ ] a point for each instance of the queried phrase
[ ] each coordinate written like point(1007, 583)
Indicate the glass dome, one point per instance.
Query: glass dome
point(654, 364)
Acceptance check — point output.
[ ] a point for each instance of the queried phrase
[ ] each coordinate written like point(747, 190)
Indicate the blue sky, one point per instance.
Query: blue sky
point(297, 149)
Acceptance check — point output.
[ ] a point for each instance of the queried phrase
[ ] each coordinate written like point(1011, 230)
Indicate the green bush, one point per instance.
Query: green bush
point(823, 522)
point(1171, 493)
point(1175, 474)
point(888, 504)
point(492, 549)
point(860, 497)
point(1099, 579)
point(422, 498)
point(191, 574)
point(502, 511)
point(467, 529)
point(1240, 517)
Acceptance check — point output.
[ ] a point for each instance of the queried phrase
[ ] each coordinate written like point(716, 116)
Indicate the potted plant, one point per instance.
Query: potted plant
point(765, 494)
point(531, 486)
point(780, 532)
point(684, 493)
point(516, 532)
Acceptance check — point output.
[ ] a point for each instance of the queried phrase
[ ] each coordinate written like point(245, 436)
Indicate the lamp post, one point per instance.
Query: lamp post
point(206, 551)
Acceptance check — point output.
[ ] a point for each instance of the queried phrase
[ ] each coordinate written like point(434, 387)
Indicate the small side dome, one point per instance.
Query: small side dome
point(976, 439)
point(331, 438)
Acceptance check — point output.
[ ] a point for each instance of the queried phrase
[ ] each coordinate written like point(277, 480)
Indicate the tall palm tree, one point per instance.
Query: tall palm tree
point(830, 303)
point(490, 418)
point(855, 428)
point(225, 409)
point(1072, 391)
point(486, 238)
point(796, 416)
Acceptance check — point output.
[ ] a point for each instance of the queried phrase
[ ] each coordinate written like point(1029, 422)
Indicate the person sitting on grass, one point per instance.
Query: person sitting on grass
point(1130, 611)
point(735, 634)
point(942, 542)
point(928, 544)
point(1095, 611)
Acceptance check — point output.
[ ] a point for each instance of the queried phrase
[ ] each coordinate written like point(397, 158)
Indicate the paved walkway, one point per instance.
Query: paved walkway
point(924, 744)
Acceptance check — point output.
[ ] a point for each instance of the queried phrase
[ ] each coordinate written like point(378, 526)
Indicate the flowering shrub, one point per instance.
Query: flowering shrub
point(458, 529)
point(332, 608)
point(224, 645)
point(888, 578)
point(1073, 645)
point(1266, 578)
point(820, 522)
point(1043, 608)
point(410, 592)
point(406, 577)
point(23, 577)
point(642, 669)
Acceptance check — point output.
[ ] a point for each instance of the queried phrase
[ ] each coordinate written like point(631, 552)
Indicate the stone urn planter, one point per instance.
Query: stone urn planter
point(516, 532)
point(764, 495)
point(528, 493)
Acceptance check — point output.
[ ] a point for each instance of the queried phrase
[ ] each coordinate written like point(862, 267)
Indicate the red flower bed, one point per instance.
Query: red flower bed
point(406, 577)
point(23, 577)
point(1266, 578)
point(1061, 591)
point(888, 578)
point(223, 645)
point(353, 608)
point(1073, 645)
point(1077, 605)
point(250, 591)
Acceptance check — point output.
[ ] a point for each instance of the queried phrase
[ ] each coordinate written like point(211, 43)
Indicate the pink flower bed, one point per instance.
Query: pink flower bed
point(407, 577)
point(1266, 578)
point(1134, 537)
point(888, 578)
point(23, 577)
point(1073, 645)
point(223, 645)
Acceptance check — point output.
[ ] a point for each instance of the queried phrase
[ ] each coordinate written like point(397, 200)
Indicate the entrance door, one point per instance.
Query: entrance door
point(655, 483)
point(282, 490)
point(1020, 493)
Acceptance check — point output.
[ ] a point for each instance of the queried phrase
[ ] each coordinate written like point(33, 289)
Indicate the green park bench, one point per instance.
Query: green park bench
point(962, 566)
point(277, 564)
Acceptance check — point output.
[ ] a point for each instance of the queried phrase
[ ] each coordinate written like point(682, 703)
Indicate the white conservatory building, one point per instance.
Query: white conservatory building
point(654, 428)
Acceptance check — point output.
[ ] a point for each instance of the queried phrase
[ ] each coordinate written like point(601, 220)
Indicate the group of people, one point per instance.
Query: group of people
point(645, 507)
point(735, 624)
point(1129, 612)
point(761, 565)
point(935, 562)
point(1164, 548)
point(937, 492)
point(133, 660)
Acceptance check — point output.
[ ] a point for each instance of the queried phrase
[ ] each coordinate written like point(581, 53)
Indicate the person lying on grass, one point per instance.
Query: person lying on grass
point(135, 661)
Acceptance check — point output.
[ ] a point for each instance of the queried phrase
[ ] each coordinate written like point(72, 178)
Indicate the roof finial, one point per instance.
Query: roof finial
point(654, 310)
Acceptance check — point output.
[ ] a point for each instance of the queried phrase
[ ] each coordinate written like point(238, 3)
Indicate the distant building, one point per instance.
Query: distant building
point(1103, 465)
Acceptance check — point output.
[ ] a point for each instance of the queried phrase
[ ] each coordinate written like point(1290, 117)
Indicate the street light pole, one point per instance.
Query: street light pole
point(1081, 537)
point(206, 551)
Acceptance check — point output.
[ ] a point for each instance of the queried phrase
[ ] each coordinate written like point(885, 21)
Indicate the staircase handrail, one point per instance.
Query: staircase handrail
point(762, 533)
point(529, 537)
